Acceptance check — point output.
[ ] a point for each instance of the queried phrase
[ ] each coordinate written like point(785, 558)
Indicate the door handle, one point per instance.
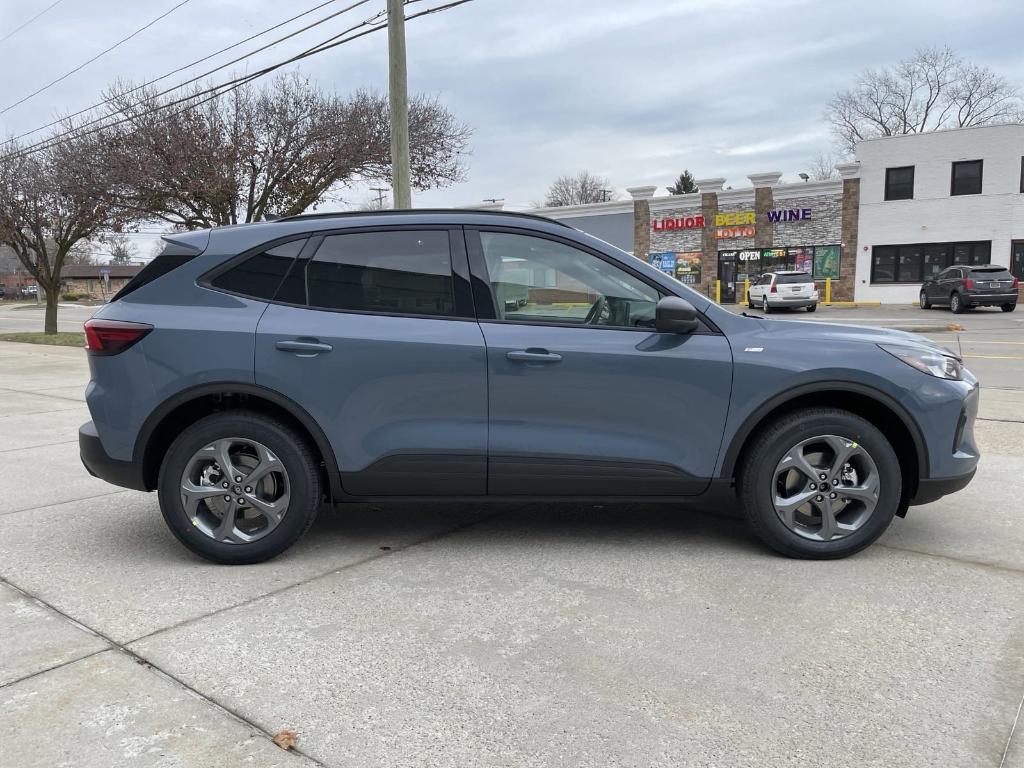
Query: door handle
point(533, 356)
point(303, 348)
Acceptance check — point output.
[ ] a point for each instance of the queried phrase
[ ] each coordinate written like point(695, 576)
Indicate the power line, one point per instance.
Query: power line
point(199, 77)
point(200, 61)
point(102, 53)
point(230, 85)
point(16, 30)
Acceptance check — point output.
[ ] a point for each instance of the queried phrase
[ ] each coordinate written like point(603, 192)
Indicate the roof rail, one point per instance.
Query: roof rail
point(415, 211)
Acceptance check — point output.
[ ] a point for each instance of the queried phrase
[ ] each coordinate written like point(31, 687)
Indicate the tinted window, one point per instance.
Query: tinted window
point(936, 258)
point(883, 264)
point(908, 265)
point(171, 257)
point(966, 178)
point(534, 279)
point(401, 272)
point(793, 279)
point(899, 183)
point(991, 273)
point(260, 275)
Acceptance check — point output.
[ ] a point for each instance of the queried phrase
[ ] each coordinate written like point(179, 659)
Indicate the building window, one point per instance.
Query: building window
point(899, 183)
point(966, 178)
point(915, 263)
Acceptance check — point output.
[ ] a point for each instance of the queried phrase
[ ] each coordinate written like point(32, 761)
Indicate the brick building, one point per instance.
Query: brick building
point(92, 279)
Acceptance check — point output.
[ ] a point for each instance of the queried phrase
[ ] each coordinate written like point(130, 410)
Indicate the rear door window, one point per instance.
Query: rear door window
point(403, 272)
point(794, 279)
point(259, 276)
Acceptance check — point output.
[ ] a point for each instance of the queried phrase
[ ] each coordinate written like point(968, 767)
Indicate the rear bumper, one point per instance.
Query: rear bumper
point(801, 302)
point(989, 299)
point(126, 474)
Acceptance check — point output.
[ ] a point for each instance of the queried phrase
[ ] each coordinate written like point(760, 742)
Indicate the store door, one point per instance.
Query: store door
point(727, 278)
point(1017, 259)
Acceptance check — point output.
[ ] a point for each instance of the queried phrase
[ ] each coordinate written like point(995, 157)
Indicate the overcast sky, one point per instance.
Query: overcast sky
point(632, 90)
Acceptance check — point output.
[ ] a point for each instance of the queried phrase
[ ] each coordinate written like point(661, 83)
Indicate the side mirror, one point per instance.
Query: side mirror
point(675, 315)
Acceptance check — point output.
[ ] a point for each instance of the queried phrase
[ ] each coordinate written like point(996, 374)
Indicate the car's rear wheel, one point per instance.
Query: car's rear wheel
point(765, 305)
point(820, 483)
point(812, 308)
point(238, 487)
point(957, 304)
point(1008, 307)
point(925, 304)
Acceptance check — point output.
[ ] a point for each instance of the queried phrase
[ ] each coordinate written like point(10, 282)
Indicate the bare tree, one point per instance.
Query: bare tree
point(273, 151)
point(823, 166)
point(83, 253)
point(122, 249)
point(50, 203)
point(933, 89)
point(580, 189)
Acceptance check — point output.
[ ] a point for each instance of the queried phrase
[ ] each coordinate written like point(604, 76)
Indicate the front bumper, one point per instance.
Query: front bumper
point(126, 474)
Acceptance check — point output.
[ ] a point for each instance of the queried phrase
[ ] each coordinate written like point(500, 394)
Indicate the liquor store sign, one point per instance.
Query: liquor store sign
point(730, 225)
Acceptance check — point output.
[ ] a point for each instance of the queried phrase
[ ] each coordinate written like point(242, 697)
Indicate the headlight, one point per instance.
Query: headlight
point(928, 361)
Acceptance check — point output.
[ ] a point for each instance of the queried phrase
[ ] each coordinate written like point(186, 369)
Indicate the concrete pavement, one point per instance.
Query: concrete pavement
point(578, 635)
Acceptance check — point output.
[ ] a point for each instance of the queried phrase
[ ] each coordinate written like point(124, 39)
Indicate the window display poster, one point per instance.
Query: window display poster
point(802, 258)
point(688, 268)
point(666, 262)
point(826, 261)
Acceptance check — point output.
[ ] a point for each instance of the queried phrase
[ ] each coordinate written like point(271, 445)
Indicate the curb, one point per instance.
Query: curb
point(852, 304)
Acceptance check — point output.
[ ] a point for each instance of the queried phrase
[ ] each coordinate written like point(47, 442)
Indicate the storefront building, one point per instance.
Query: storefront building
point(934, 200)
point(908, 207)
point(719, 240)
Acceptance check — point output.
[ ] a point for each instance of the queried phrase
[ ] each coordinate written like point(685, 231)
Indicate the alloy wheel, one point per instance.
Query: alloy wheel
point(235, 490)
point(825, 487)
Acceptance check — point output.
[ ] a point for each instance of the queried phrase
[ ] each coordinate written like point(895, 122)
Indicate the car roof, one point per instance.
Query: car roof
point(788, 272)
point(239, 237)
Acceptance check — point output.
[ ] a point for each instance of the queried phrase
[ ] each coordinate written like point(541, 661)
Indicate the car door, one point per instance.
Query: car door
point(586, 398)
point(373, 334)
point(757, 290)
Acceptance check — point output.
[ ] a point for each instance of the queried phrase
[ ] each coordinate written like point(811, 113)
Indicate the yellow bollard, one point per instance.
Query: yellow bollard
point(746, 290)
point(718, 291)
point(828, 290)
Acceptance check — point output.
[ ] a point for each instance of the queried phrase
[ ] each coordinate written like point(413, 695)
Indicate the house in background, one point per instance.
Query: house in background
point(97, 281)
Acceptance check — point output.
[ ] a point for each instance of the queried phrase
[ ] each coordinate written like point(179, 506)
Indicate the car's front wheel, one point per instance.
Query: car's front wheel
point(239, 487)
point(820, 483)
point(925, 304)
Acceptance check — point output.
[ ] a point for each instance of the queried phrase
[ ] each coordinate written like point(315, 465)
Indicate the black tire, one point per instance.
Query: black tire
point(925, 304)
point(757, 474)
point(812, 308)
point(293, 452)
point(1008, 307)
point(765, 306)
point(956, 304)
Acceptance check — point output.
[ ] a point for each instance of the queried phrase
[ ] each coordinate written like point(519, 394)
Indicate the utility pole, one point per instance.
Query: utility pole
point(380, 195)
point(399, 102)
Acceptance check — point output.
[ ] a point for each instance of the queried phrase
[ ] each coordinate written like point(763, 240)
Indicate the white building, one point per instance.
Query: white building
point(935, 199)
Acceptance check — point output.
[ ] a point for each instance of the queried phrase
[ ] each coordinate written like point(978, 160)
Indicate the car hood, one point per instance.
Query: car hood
point(840, 332)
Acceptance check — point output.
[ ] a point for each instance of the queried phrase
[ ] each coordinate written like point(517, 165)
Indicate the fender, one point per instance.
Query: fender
point(219, 388)
point(740, 437)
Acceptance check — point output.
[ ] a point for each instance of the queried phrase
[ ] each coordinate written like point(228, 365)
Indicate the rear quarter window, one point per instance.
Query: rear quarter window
point(260, 275)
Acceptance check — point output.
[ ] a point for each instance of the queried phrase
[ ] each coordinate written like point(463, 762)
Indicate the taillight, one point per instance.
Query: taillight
point(1016, 283)
point(968, 284)
point(110, 337)
point(775, 288)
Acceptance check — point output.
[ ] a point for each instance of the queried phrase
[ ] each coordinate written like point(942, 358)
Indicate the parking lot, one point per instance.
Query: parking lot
point(440, 635)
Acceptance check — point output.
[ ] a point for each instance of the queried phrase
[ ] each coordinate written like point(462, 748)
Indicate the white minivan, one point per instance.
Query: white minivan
point(774, 290)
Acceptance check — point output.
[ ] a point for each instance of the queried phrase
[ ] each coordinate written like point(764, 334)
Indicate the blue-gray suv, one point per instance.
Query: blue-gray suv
point(250, 374)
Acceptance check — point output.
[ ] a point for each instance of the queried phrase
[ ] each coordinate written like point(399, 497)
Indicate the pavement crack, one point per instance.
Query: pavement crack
point(1013, 727)
point(950, 558)
point(338, 569)
point(142, 661)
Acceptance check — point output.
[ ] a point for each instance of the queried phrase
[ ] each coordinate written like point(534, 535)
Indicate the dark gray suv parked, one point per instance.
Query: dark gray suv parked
point(251, 373)
point(961, 288)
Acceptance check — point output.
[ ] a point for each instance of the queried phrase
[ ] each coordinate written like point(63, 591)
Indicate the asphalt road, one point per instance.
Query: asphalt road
point(27, 316)
point(529, 635)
